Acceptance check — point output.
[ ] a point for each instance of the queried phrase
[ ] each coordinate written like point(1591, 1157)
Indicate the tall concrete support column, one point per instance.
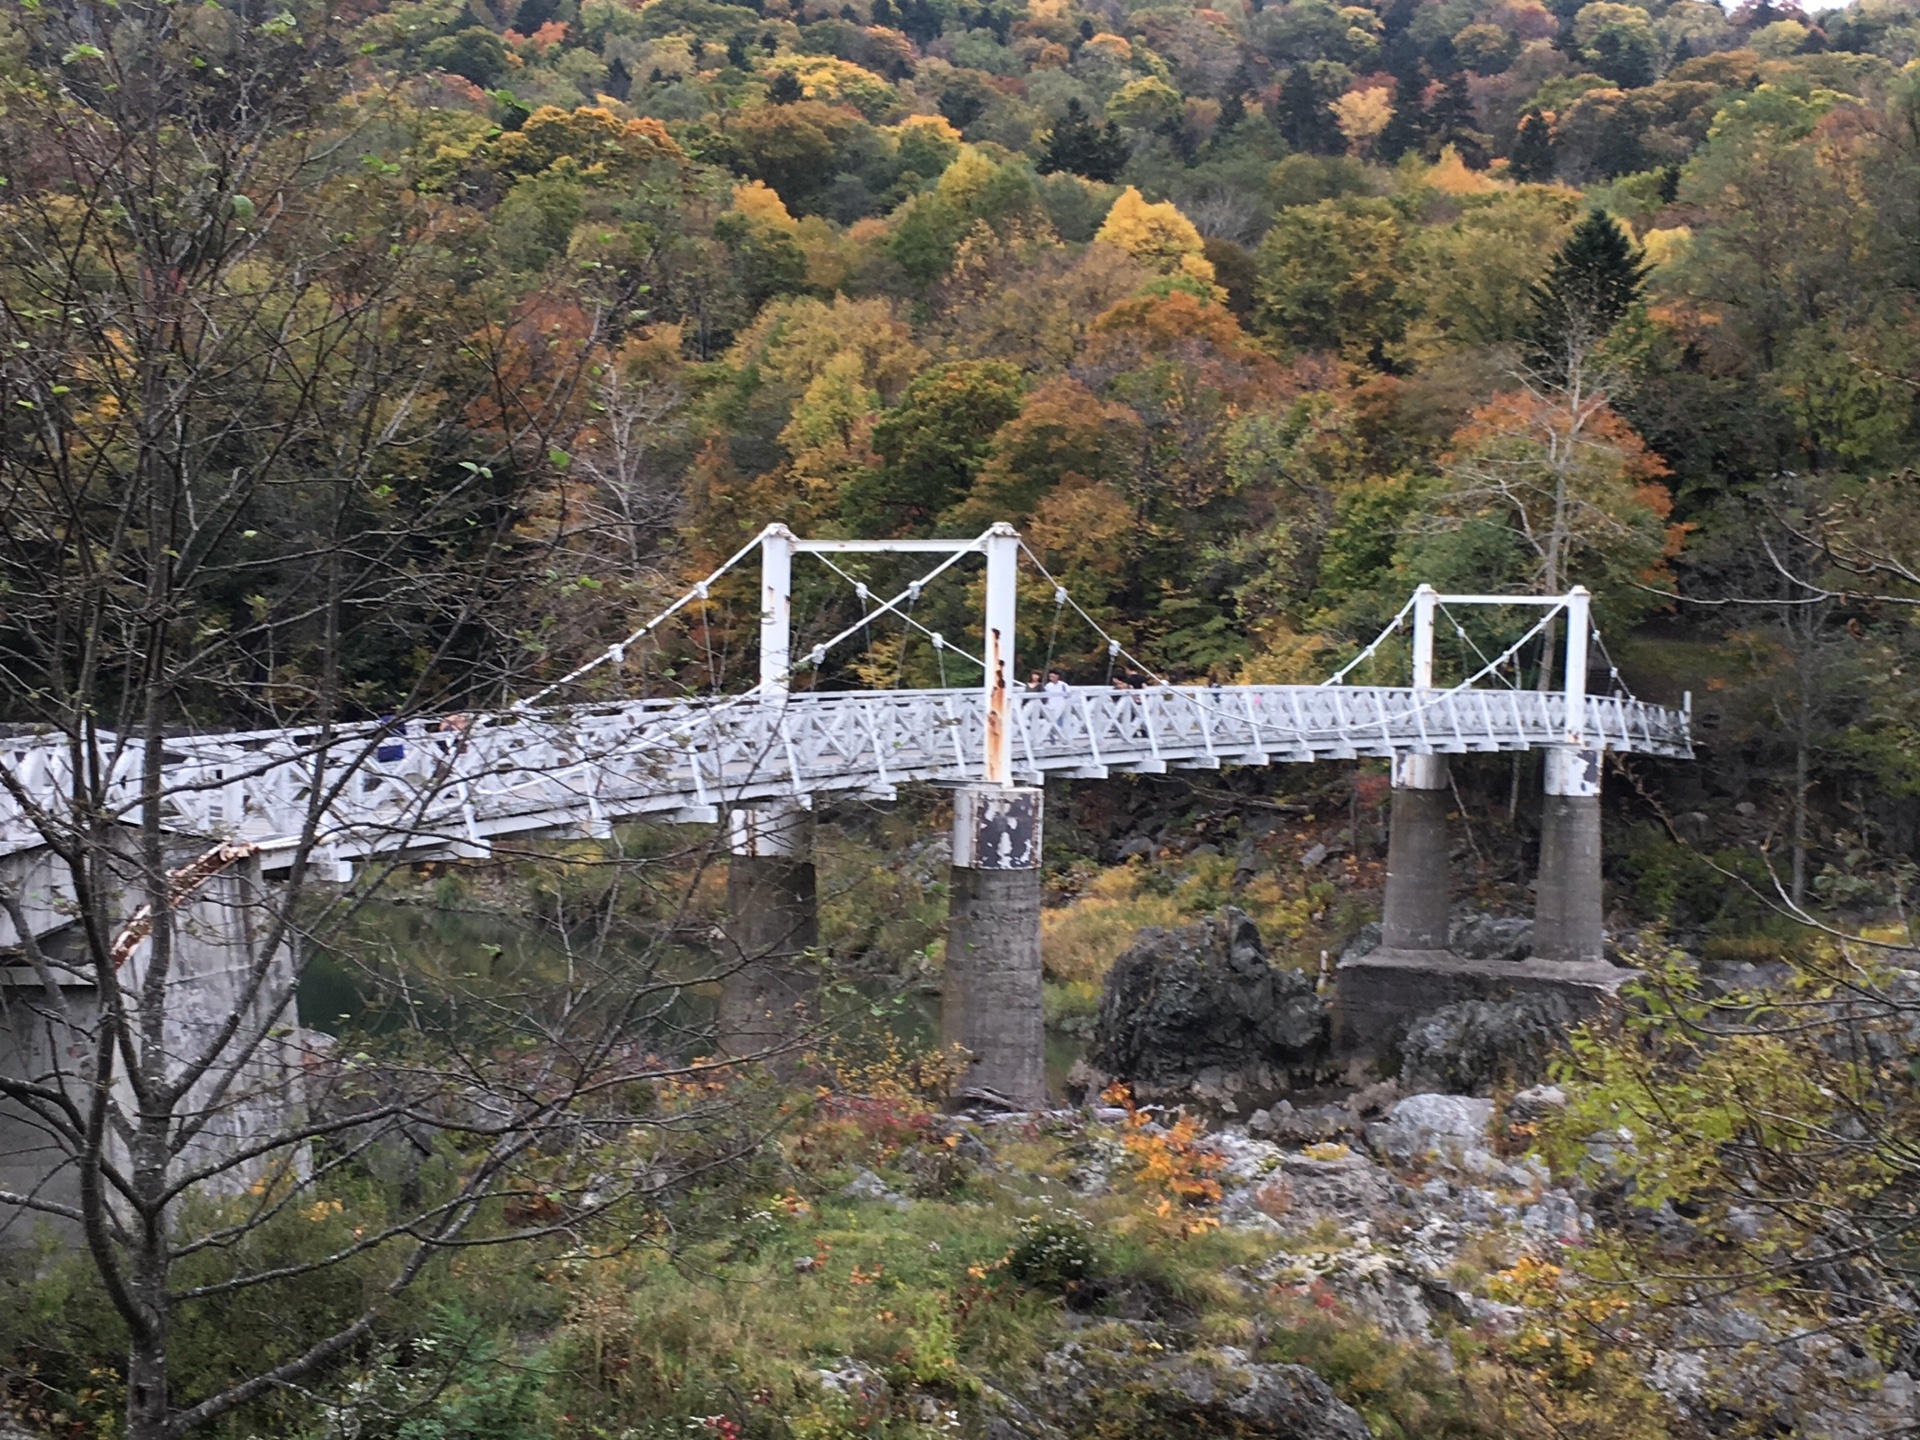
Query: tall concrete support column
point(1415, 914)
point(1568, 916)
point(775, 920)
point(990, 1003)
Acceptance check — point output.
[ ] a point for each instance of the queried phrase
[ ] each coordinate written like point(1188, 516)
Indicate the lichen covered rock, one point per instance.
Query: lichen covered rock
point(1201, 1013)
point(1095, 1389)
point(1471, 1047)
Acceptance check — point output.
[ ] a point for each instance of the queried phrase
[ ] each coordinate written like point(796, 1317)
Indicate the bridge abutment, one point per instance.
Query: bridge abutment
point(1568, 912)
point(990, 1004)
point(255, 1082)
point(772, 901)
point(1414, 915)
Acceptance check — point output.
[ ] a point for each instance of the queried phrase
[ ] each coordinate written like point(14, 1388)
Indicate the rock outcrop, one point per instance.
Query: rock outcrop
point(1200, 1014)
point(1473, 1046)
point(1472, 935)
point(1089, 1389)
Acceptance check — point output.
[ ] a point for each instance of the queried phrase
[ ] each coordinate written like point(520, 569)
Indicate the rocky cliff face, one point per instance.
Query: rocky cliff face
point(1406, 1222)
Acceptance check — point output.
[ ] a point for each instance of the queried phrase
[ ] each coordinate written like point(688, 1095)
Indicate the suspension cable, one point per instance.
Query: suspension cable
point(1114, 647)
point(1372, 646)
point(617, 652)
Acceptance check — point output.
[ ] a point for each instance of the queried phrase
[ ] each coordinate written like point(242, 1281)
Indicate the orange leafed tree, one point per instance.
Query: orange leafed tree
point(1579, 490)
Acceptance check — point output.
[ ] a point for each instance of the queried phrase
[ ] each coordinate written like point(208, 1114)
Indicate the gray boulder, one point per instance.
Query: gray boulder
point(1491, 937)
point(1365, 941)
point(1307, 1125)
point(1088, 1390)
point(1202, 1009)
point(1471, 1047)
point(1541, 1102)
point(1442, 1127)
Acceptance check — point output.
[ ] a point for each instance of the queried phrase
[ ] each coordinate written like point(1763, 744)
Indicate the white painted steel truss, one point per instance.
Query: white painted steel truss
point(421, 791)
point(455, 787)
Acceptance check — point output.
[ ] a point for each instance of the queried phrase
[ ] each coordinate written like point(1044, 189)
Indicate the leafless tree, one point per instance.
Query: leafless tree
point(631, 455)
point(264, 463)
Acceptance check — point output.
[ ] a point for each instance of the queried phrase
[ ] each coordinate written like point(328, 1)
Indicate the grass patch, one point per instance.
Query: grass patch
point(1079, 941)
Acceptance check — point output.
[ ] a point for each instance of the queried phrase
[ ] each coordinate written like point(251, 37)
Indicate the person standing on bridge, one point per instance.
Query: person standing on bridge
point(1057, 691)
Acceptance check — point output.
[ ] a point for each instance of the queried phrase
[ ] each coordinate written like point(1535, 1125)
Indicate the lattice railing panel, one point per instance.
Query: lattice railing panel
point(370, 789)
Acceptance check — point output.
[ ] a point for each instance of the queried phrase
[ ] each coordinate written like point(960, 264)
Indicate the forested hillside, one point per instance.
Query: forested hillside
point(1248, 317)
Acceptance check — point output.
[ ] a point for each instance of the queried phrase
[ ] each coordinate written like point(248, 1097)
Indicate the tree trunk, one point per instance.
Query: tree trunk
point(1799, 826)
point(147, 1408)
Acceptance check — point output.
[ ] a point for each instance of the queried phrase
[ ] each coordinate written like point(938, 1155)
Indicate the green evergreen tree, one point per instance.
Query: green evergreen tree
point(1623, 57)
point(1622, 145)
point(1407, 130)
point(932, 445)
point(619, 79)
point(1306, 120)
point(1079, 147)
point(1451, 121)
point(1531, 159)
point(784, 88)
point(532, 14)
point(1594, 279)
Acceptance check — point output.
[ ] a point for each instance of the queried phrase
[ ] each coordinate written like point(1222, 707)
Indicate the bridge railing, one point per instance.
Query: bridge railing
point(460, 780)
point(1258, 723)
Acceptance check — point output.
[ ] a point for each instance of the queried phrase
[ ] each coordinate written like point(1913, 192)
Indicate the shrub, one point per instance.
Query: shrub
point(1056, 1251)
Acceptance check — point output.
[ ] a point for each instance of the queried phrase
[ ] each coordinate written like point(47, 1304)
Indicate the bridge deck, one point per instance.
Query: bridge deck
point(453, 788)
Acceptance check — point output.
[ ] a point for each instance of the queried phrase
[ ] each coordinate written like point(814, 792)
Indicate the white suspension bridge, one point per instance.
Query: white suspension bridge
point(456, 786)
point(242, 807)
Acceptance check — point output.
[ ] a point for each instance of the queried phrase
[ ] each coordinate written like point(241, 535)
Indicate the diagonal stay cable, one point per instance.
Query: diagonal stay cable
point(1437, 697)
point(1613, 666)
point(617, 652)
point(1461, 631)
point(906, 615)
point(818, 654)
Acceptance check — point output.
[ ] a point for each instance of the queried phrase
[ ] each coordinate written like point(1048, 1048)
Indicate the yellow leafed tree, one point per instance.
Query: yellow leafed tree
point(1362, 115)
point(759, 203)
point(1158, 236)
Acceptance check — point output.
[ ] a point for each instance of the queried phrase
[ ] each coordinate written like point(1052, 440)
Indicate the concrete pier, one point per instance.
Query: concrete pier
point(991, 999)
point(1380, 994)
point(772, 901)
point(1569, 914)
point(1414, 915)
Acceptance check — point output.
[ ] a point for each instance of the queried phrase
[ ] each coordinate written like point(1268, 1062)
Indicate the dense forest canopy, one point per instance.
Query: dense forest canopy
point(1251, 318)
